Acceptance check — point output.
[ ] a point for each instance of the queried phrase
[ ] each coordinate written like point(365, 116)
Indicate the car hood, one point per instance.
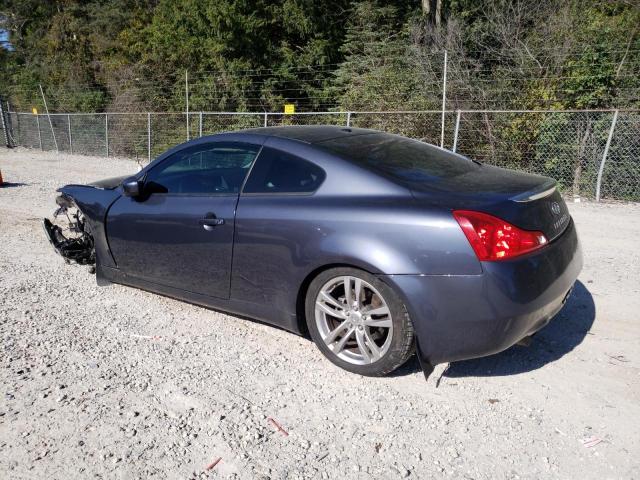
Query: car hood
point(109, 183)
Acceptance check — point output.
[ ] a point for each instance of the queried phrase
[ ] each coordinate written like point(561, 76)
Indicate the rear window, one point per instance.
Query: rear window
point(399, 157)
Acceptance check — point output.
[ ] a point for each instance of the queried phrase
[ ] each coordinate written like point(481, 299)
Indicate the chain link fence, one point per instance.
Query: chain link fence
point(592, 154)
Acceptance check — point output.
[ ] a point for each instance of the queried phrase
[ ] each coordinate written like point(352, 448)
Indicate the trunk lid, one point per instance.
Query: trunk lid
point(530, 202)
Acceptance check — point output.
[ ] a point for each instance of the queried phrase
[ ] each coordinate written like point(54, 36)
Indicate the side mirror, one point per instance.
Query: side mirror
point(131, 187)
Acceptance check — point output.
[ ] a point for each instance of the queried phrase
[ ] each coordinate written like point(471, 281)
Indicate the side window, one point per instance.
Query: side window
point(214, 168)
point(280, 172)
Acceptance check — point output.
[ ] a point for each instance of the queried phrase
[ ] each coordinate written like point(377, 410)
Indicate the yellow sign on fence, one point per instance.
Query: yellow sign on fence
point(34, 110)
point(289, 108)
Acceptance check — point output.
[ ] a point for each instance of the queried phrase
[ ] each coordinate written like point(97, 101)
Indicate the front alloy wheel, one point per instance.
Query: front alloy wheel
point(358, 322)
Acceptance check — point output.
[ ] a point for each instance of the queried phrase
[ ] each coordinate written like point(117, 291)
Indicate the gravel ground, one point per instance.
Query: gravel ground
point(115, 382)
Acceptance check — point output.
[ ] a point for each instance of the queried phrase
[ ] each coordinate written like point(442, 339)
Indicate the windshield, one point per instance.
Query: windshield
point(399, 157)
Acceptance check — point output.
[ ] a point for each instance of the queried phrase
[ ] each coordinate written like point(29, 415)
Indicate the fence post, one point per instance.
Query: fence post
point(149, 137)
point(444, 98)
point(265, 118)
point(53, 134)
point(200, 127)
point(455, 133)
point(69, 129)
point(186, 95)
point(4, 119)
point(19, 132)
point(18, 126)
point(604, 154)
point(39, 133)
point(106, 134)
point(348, 119)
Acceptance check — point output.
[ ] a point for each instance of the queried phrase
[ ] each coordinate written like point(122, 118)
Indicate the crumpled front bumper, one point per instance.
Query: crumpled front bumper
point(79, 250)
point(469, 316)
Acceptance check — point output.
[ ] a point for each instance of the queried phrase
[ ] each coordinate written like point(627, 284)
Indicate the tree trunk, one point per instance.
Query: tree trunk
point(577, 167)
point(432, 10)
point(490, 137)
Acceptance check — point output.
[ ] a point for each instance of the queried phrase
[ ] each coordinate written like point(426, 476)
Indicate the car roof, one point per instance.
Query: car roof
point(310, 133)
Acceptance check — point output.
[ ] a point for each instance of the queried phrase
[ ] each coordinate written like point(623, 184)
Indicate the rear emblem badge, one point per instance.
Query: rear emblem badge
point(555, 208)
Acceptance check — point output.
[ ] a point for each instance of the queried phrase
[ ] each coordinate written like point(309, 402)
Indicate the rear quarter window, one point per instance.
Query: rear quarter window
point(276, 171)
point(398, 157)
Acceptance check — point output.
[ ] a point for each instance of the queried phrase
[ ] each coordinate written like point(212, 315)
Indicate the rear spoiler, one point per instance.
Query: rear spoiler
point(544, 190)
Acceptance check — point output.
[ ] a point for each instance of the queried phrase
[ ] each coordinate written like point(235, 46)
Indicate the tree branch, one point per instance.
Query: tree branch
point(624, 57)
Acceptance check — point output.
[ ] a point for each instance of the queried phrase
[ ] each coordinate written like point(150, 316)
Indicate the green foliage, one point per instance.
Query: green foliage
point(131, 55)
point(376, 73)
point(594, 76)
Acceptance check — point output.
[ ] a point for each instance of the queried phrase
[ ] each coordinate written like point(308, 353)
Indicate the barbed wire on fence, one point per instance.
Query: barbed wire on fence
point(612, 79)
point(568, 145)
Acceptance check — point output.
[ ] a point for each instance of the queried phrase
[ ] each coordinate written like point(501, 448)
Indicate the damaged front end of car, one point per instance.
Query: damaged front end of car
point(69, 233)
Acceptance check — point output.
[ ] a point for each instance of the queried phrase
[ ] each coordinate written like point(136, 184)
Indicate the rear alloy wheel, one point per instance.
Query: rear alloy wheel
point(358, 322)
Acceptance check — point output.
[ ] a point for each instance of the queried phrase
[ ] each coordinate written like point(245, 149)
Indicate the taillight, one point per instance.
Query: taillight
point(494, 239)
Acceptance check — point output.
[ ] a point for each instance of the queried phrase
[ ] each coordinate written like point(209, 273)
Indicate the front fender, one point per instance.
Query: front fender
point(94, 203)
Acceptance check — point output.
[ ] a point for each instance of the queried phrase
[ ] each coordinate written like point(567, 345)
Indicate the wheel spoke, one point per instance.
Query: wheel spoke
point(383, 310)
point(330, 300)
point(343, 341)
point(378, 322)
point(330, 311)
point(333, 334)
point(375, 350)
point(357, 290)
point(362, 346)
point(347, 290)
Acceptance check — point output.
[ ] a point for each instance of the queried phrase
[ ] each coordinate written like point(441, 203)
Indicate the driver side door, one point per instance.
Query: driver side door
point(179, 231)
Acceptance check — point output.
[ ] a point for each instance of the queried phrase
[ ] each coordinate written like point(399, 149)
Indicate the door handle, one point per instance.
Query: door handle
point(210, 221)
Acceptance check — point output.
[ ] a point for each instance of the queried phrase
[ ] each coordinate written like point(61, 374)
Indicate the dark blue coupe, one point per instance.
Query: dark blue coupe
point(373, 244)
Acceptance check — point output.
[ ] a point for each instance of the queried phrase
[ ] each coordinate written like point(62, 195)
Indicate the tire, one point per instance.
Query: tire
point(378, 330)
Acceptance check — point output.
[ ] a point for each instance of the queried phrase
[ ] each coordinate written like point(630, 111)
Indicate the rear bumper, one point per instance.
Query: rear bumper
point(463, 317)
